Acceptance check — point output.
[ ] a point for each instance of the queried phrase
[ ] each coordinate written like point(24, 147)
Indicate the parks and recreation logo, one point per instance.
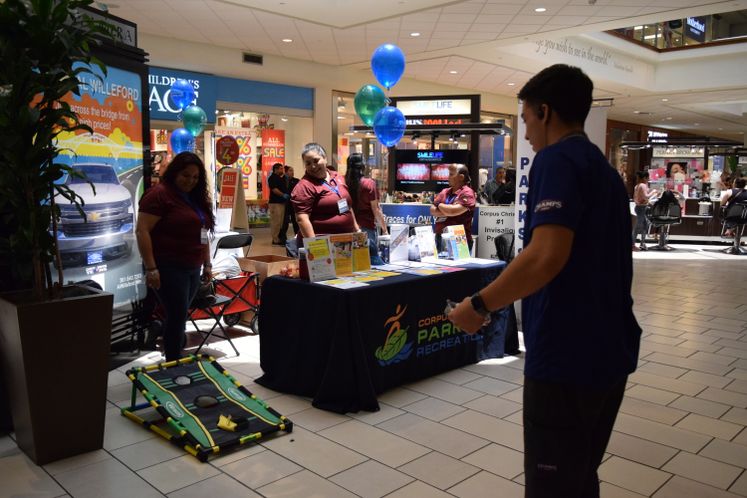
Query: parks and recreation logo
point(435, 333)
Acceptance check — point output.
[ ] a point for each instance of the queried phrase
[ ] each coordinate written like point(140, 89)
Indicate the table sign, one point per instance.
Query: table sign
point(319, 258)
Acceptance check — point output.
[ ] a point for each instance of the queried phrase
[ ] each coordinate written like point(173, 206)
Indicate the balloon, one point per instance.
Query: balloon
point(194, 119)
point(388, 64)
point(368, 101)
point(389, 125)
point(182, 141)
point(182, 93)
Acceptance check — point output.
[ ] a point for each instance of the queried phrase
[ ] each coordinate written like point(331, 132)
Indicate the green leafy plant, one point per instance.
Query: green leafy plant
point(45, 45)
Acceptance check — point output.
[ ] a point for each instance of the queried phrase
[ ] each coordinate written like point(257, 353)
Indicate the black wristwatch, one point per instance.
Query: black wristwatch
point(479, 305)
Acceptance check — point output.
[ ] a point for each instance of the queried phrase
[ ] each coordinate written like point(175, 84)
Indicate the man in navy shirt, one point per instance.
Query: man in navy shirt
point(574, 276)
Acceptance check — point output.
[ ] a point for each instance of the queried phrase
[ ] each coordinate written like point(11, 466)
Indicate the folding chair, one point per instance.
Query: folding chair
point(211, 307)
point(244, 294)
point(234, 241)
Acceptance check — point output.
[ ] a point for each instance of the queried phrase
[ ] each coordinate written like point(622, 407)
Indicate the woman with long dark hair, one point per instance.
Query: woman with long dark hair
point(173, 223)
point(365, 197)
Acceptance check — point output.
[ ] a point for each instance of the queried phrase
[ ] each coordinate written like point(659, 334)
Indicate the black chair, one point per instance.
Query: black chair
point(663, 215)
point(234, 241)
point(734, 218)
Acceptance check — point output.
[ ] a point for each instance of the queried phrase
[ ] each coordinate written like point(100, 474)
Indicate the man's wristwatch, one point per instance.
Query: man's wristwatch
point(479, 305)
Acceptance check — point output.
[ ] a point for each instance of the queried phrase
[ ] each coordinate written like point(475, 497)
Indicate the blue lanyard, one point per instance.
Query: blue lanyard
point(451, 199)
point(336, 190)
point(197, 209)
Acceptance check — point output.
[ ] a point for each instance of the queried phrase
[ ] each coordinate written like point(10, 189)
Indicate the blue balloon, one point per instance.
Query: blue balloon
point(388, 64)
point(182, 141)
point(389, 125)
point(182, 93)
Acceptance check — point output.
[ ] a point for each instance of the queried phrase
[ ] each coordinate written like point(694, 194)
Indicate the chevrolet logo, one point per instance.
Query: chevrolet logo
point(95, 216)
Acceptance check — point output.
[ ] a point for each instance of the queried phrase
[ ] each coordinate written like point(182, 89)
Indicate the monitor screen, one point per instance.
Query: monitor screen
point(426, 170)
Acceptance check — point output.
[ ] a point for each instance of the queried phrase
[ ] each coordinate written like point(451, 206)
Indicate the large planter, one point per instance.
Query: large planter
point(55, 358)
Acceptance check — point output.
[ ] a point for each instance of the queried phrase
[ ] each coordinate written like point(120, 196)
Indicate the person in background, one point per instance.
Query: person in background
point(278, 198)
point(641, 197)
point(455, 205)
point(173, 222)
point(492, 185)
point(321, 200)
point(365, 203)
point(290, 217)
point(574, 277)
point(737, 195)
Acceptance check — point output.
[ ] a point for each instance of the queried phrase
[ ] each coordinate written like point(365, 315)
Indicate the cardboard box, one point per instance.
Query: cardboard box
point(266, 265)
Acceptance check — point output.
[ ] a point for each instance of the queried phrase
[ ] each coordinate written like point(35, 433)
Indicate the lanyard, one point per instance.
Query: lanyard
point(335, 189)
point(450, 199)
point(197, 209)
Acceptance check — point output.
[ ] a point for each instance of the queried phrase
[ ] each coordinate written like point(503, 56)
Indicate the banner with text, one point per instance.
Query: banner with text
point(246, 138)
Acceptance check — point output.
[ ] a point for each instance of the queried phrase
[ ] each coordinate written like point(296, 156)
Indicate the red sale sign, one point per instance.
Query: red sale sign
point(228, 184)
point(273, 151)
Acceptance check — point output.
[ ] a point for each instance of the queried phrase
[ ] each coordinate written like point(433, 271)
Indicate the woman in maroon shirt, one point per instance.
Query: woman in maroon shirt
point(172, 229)
point(455, 205)
point(321, 199)
point(365, 197)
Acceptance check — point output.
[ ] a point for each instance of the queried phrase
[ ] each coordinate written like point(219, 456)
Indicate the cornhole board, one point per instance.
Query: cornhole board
point(202, 408)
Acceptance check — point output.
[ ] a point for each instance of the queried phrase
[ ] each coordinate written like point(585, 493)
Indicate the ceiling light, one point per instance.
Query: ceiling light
point(217, 111)
point(638, 27)
point(510, 84)
point(669, 118)
point(636, 112)
point(414, 34)
point(287, 40)
point(284, 119)
point(665, 100)
point(453, 72)
point(720, 129)
point(696, 124)
point(340, 117)
point(649, 37)
point(540, 9)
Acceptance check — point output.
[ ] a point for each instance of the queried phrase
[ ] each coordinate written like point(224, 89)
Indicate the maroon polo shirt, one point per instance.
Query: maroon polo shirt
point(176, 236)
point(311, 196)
point(364, 214)
point(464, 196)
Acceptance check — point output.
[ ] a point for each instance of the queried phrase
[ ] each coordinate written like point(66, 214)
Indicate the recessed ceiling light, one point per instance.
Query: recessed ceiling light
point(636, 112)
point(287, 40)
point(414, 34)
point(665, 100)
point(669, 118)
point(284, 119)
point(510, 84)
point(340, 117)
point(696, 124)
point(540, 9)
point(453, 72)
point(720, 129)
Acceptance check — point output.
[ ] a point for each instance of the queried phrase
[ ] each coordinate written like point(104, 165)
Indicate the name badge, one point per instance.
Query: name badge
point(342, 206)
point(203, 236)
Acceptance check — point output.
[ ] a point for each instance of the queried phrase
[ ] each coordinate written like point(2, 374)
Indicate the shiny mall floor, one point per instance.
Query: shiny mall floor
point(680, 433)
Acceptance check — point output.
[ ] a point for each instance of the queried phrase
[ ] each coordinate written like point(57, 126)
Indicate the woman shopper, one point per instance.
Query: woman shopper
point(455, 205)
point(641, 197)
point(173, 223)
point(365, 197)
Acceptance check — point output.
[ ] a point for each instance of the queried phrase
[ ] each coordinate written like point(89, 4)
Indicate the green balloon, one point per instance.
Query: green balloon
point(194, 119)
point(368, 101)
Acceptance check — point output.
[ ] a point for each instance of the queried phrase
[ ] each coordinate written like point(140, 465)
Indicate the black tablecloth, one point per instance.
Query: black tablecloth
point(342, 347)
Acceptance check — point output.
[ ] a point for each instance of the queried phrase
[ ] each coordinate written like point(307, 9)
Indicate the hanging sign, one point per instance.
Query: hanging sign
point(273, 151)
point(228, 184)
point(227, 150)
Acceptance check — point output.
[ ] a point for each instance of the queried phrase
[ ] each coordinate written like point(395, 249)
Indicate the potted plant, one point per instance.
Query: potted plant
point(48, 332)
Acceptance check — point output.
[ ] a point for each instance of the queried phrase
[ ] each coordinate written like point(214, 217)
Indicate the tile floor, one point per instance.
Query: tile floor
point(680, 433)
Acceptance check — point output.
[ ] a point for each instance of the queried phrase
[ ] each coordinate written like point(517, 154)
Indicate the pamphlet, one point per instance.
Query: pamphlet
point(319, 258)
point(398, 242)
point(342, 253)
point(459, 240)
point(426, 242)
point(343, 283)
point(361, 254)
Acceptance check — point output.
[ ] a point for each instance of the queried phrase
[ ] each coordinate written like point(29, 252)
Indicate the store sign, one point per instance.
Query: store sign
point(228, 184)
point(159, 88)
point(695, 28)
point(431, 156)
point(436, 121)
point(273, 151)
point(449, 107)
point(226, 150)
point(657, 136)
point(124, 32)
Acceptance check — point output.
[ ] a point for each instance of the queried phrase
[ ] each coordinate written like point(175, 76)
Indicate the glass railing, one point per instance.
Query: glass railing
point(690, 31)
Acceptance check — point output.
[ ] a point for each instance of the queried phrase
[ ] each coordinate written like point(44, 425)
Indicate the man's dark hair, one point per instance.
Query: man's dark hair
point(566, 90)
point(740, 183)
point(277, 166)
point(641, 174)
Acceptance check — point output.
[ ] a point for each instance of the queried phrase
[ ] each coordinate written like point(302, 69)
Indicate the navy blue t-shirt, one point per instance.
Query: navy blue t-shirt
point(580, 327)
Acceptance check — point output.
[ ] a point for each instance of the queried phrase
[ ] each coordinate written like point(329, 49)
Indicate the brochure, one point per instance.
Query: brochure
point(426, 242)
point(398, 242)
point(459, 240)
point(361, 255)
point(319, 258)
point(342, 253)
point(343, 283)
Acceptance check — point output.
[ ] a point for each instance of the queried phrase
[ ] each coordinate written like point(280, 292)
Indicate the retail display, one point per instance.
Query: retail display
point(203, 408)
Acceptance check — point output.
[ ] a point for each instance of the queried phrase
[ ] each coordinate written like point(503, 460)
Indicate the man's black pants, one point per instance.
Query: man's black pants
point(288, 217)
point(566, 430)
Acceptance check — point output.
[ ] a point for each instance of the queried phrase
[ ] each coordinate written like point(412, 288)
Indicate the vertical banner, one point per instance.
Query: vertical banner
point(273, 151)
point(246, 138)
point(103, 249)
point(228, 184)
point(525, 157)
